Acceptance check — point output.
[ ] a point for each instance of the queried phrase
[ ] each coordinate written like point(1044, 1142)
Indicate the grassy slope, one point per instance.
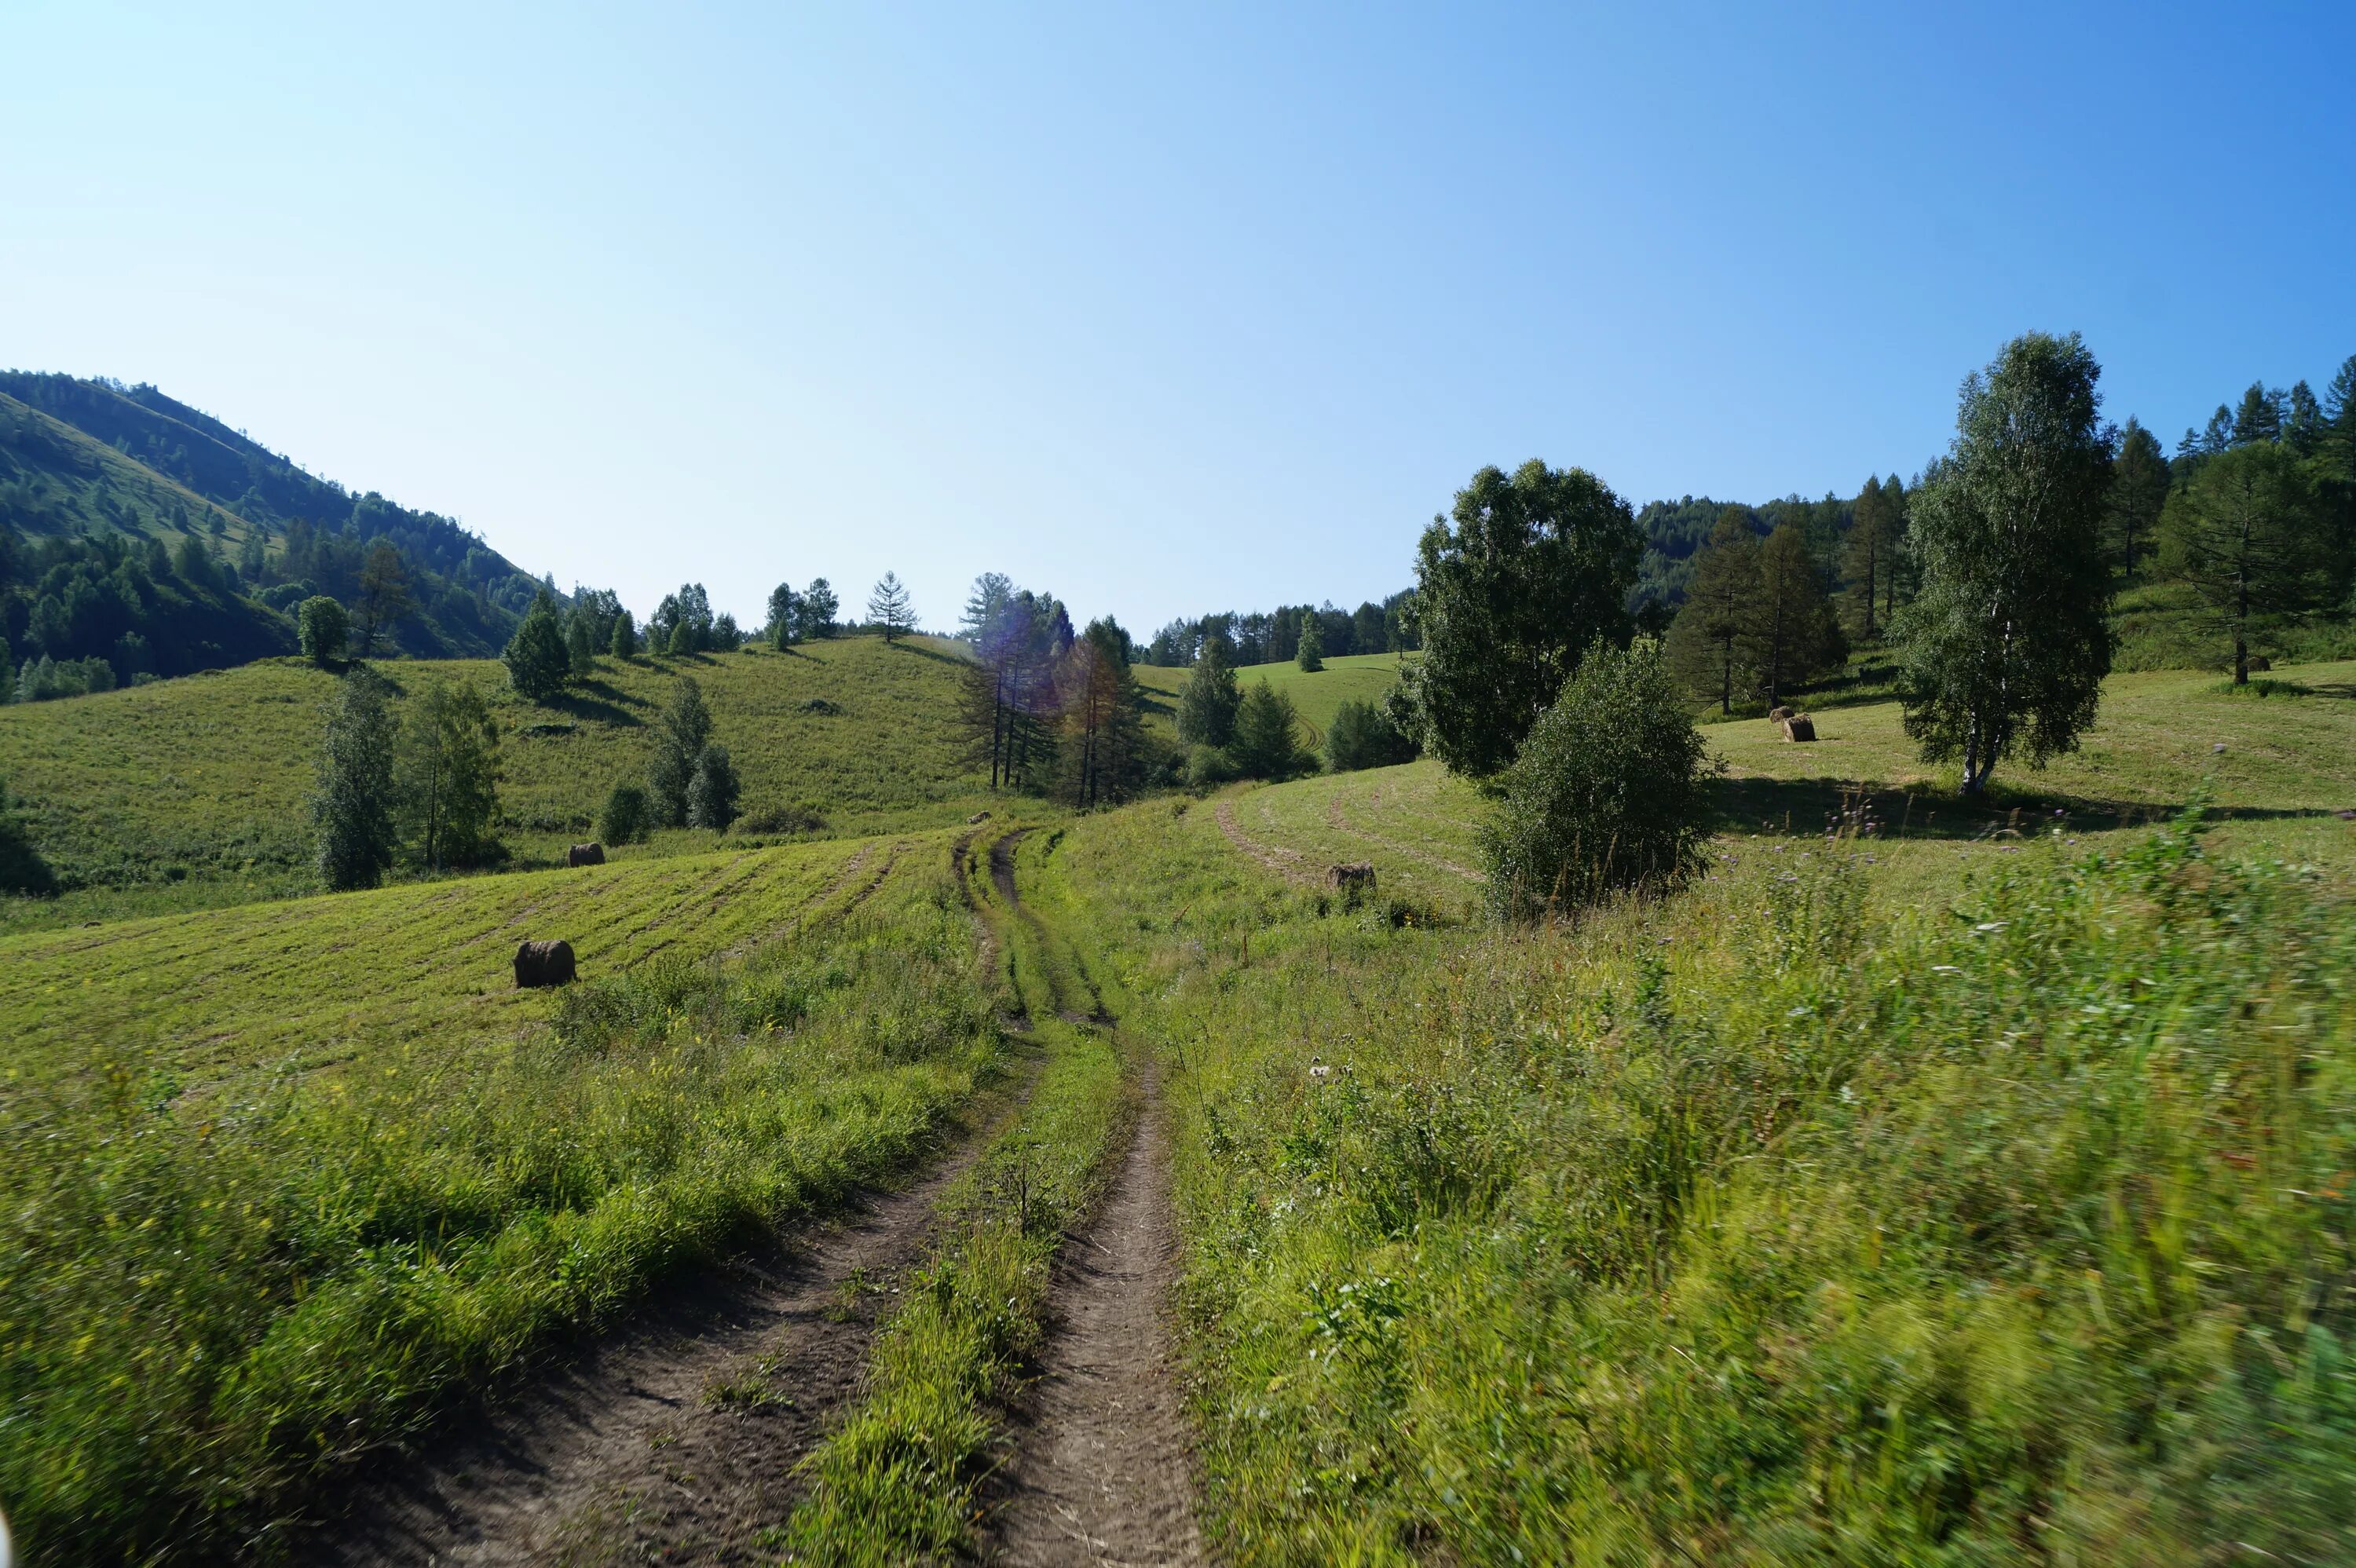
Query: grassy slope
point(1361, 678)
point(64, 471)
point(1934, 1201)
point(206, 776)
point(282, 1178)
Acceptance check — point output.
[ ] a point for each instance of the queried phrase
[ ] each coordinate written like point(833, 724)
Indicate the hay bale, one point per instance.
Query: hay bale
point(586, 855)
point(1799, 727)
point(2259, 663)
point(543, 963)
point(1778, 713)
point(977, 816)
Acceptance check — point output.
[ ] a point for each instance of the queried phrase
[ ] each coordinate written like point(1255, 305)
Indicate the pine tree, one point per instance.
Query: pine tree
point(538, 664)
point(991, 593)
point(1268, 743)
point(2247, 535)
point(1865, 552)
point(685, 728)
point(819, 607)
point(385, 595)
point(1788, 631)
point(1309, 651)
point(784, 617)
point(448, 775)
point(625, 643)
point(581, 641)
point(1703, 641)
point(1206, 705)
point(887, 609)
point(2260, 418)
point(352, 804)
point(2339, 440)
point(2007, 642)
point(2138, 490)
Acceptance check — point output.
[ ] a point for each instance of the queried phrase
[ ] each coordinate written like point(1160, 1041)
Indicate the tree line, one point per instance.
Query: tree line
point(1049, 708)
point(1275, 636)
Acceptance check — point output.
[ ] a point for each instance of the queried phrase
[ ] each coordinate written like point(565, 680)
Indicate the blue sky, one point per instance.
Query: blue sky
point(1164, 310)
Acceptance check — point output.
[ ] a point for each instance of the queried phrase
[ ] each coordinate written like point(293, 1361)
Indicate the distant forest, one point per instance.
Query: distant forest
point(140, 535)
point(1274, 636)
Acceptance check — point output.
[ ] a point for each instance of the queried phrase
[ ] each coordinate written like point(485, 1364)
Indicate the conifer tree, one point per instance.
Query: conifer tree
point(784, 617)
point(1308, 652)
point(2338, 437)
point(2138, 490)
point(1866, 552)
point(1703, 643)
point(1789, 632)
point(385, 594)
point(1206, 705)
point(712, 790)
point(819, 607)
point(625, 643)
point(581, 641)
point(2247, 535)
point(2007, 642)
point(887, 609)
point(1268, 743)
point(538, 664)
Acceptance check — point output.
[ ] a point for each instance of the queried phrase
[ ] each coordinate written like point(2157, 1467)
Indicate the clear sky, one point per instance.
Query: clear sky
point(1164, 309)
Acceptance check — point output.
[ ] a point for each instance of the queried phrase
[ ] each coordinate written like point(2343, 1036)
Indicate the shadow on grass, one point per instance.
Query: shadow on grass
point(1817, 806)
point(603, 703)
point(934, 654)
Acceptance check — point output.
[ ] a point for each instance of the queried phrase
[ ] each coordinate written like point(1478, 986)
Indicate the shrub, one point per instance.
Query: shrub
point(627, 815)
point(1363, 736)
point(1267, 744)
point(1206, 766)
point(1608, 792)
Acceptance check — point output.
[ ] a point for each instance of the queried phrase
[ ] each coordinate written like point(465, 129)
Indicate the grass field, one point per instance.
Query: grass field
point(1362, 677)
point(203, 780)
point(283, 1179)
point(1780, 1221)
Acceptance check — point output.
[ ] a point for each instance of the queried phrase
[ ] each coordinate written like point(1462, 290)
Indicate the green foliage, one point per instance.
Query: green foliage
point(783, 629)
point(1206, 706)
point(1789, 632)
point(1704, 639)
point(538, 664)
point(681, 624)
point(581, 645)
point(887, 609)
point(1268, 742)
point(2006, 645)
point(354, 800)
point(681, 733)
point(712, 790)
point(1610, 793)
point(819, 607)
point(2138, 492)
point(23, 872)
point(2250, 534)
point(385, 598)
point(44, 679)
point(446, 775)
point(324, 630)
point(1363, 736)
point(1309, 653)
point(626, 815)
point(624, 642)
point(1528, 574)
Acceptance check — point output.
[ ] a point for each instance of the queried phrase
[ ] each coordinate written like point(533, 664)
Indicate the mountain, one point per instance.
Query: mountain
point(146, 534)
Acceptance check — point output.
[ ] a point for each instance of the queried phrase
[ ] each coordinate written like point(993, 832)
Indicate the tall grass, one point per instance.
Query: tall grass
point(1759, 1225)
point(210, 1300)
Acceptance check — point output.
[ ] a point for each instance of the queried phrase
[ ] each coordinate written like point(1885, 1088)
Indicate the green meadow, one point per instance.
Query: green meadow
point(137, 793)
point(1357, 678)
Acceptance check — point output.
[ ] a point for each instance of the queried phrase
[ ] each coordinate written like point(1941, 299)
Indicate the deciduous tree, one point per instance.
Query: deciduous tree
point(681, 733)
point(353, 801)
point(323, 629)
point(2007, 644)
point(1525, 574)
point(448, 775)
point(1308, 652)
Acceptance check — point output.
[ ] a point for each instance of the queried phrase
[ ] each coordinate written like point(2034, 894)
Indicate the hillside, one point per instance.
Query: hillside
point(96, 457)
point(1362, 677)
point(202, 781)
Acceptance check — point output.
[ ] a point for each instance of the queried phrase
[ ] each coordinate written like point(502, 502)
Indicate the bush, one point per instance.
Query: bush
point(1206, 766)
point(323, 629)
point(1608, 792)
point(1363, 736)
point(627, 815)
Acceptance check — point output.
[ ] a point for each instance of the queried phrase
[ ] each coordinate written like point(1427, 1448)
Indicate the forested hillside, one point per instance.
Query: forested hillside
point(153, 539)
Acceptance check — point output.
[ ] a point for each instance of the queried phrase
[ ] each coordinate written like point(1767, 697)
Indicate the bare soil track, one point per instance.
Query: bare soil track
point(1099, 1472)
point(673, 1441)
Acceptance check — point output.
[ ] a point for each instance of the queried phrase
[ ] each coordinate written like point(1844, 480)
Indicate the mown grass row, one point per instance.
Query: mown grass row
point(212, 1296)
point(1766, 1223)
point(898, 1482)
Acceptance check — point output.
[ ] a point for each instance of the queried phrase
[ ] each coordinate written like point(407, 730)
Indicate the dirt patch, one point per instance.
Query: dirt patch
point(1100, 1472)
point(675, 1441)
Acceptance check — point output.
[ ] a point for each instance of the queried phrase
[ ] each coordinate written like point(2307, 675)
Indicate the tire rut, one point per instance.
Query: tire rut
point(676, 1441)
point(1100, 1472)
